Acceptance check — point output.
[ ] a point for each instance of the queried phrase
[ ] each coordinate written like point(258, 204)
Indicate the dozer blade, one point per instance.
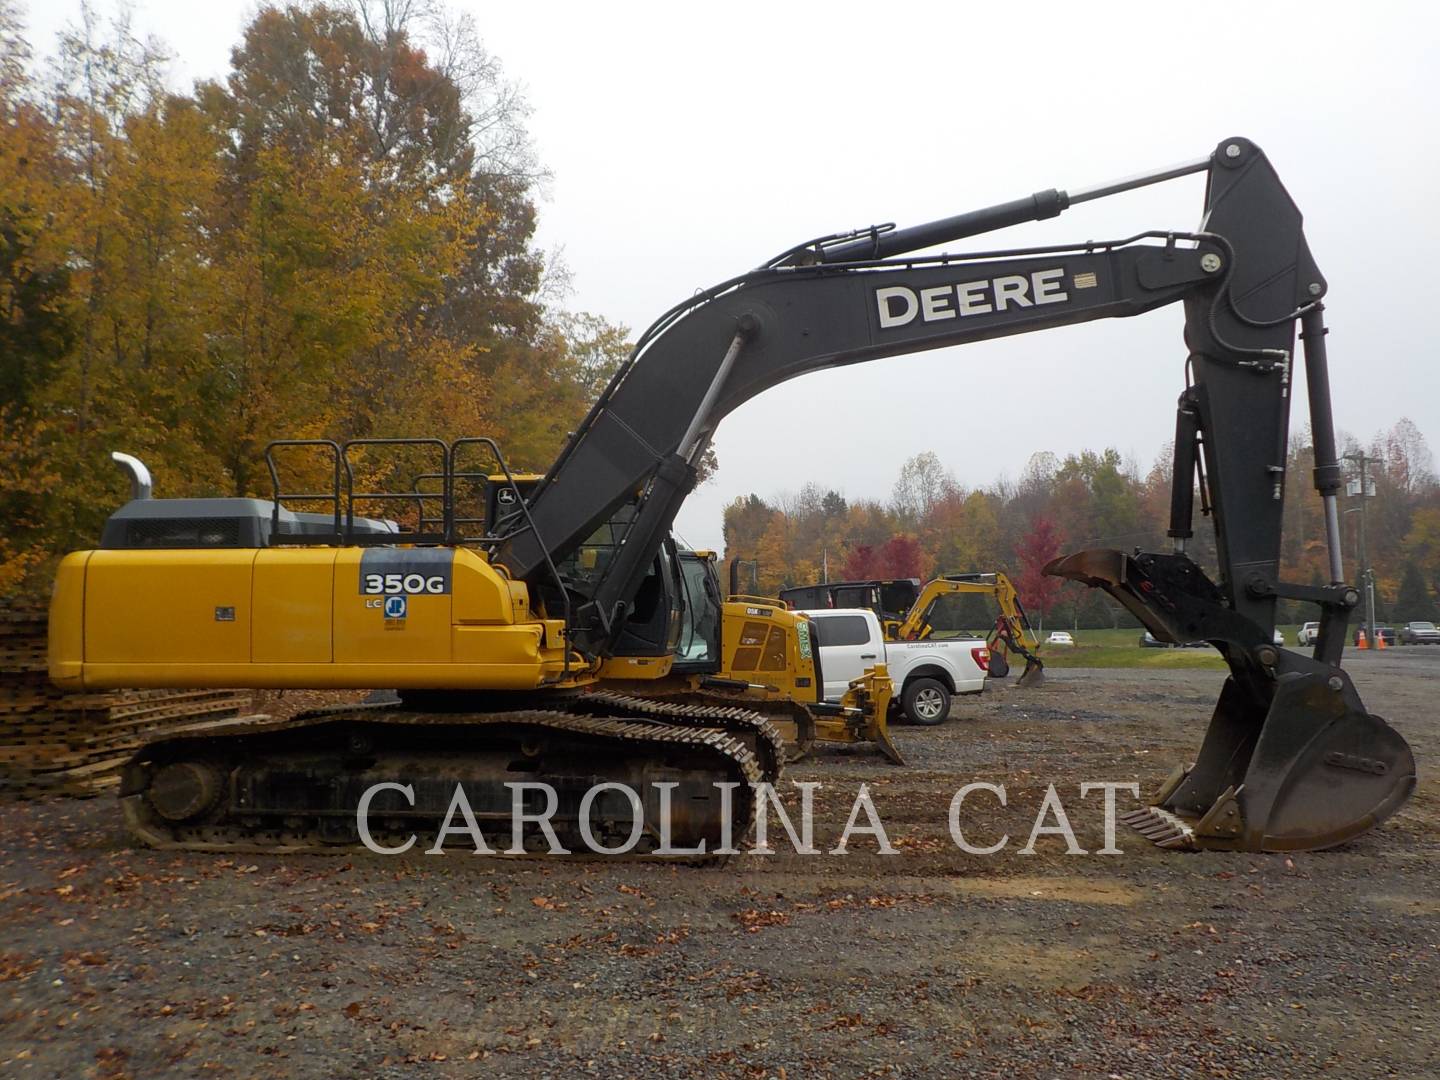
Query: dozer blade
point(878, 732)
point(1291, 760)
point(862, 715)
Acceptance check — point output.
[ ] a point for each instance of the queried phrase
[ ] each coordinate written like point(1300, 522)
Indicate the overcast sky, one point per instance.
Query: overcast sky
point(690, 142)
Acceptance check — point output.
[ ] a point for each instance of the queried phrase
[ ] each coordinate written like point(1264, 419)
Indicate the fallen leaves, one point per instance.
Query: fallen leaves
point(754, 920)
point(17, 968)
point(86, 959)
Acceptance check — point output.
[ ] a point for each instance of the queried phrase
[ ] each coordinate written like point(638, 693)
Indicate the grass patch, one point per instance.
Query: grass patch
point(1129, 656)
point(1121, 649)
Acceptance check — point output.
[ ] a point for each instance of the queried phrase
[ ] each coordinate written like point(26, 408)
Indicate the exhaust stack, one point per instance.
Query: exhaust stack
point(140, 483)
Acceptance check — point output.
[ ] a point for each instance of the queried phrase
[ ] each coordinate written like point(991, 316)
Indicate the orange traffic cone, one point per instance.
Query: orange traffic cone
point(1360, 642)
point(1380, 640)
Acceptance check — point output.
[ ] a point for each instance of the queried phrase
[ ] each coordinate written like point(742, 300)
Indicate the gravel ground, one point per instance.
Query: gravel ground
point(931, 962)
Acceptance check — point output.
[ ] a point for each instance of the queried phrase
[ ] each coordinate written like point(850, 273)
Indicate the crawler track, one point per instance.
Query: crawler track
point(258, 784)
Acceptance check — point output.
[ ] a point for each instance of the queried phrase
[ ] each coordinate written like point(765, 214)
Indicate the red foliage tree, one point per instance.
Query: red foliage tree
point(861, 564)
point(900, 557)
point(1036, 548)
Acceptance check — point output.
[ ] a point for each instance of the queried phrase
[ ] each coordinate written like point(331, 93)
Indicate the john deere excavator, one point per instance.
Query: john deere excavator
point(489, 635)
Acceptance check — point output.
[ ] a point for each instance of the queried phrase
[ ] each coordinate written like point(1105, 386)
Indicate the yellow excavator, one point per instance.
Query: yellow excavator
point(497, 632)
point(1011, 633)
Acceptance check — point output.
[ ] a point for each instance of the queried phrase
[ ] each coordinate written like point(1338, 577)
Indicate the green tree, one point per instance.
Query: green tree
point(1415, 602)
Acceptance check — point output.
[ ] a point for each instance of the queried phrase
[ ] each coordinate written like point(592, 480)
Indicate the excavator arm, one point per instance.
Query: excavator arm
point(1291, 760)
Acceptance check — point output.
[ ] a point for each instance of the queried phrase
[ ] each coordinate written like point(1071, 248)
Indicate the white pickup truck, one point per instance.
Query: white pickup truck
point(926, 674)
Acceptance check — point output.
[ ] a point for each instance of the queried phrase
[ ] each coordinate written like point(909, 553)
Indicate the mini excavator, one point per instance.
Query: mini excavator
point(908, 612)
point(492, 633)
point(1011, 634)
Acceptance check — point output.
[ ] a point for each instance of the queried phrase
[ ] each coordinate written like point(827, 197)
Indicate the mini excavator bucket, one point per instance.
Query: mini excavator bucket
point(1291, 760)
point(1033, 675)
point(1002, 643)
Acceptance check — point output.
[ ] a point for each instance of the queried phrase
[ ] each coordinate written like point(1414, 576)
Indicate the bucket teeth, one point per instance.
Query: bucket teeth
point(1161, 828)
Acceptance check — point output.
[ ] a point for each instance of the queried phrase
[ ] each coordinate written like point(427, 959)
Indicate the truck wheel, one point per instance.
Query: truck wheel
point(926, 702)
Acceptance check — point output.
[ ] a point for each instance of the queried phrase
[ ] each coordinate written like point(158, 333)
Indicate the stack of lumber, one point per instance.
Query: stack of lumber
point(52, 742)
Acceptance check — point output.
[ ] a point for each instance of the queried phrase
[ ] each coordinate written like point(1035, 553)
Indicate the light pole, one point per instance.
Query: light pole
point(1364, 488)
point(1367, 579)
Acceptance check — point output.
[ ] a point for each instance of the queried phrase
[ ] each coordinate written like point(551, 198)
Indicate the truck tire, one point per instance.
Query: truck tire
point(926, 702)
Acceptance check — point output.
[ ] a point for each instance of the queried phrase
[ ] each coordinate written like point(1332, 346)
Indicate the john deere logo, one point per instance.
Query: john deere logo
point(395, 607)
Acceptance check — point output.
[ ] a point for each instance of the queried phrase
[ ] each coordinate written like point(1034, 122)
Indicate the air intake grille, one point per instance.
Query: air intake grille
point(182, 533)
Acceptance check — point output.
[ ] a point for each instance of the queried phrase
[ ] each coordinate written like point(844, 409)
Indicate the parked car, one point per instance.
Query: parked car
point(1308, 633)
point(1059, 637)
point(925, 673)
point(1385, 633)
point(1419, 633)
point(1279, 637)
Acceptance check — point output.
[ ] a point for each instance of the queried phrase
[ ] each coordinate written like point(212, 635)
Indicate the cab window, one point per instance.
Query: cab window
point(700, 625)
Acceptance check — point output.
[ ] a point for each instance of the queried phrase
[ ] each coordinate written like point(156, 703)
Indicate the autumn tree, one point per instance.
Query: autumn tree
point(1040, 546)
point(923, 481)
point(335, 239)
point(1422, 545)
point(900, 557)
point(862, 564)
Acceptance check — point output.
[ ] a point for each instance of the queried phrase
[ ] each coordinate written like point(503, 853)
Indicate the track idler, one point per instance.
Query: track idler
point(1291, 760)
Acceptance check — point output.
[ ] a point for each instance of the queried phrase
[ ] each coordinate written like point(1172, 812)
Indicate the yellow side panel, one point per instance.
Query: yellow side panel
point(483, 594)
point(183, 606)
point(365, 633)
point(67, 622)
point(644, 668)
point(294, 591)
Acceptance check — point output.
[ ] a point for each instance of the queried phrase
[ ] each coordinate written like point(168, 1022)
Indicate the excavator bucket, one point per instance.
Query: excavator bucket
point(1033, 675)
point(1002, 643)
point(1291, 760)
